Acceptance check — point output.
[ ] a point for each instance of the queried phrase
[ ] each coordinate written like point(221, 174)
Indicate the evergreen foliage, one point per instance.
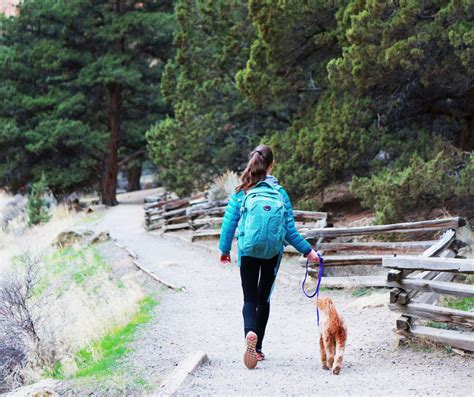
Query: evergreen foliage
point(80, 86)
point(37, 209)
point(383, 91)
point(390, 78)
point(214, 125)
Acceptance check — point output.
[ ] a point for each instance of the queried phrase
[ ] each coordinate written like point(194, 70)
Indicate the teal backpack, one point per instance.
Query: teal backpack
point(262, 228)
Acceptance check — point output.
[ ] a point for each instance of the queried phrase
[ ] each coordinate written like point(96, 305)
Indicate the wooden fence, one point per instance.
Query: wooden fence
point(344, 253)
point(417, 283)
point(204, 218)
point(421, 270)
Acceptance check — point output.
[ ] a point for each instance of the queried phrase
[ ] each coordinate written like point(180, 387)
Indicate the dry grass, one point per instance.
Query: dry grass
point(224, 186)
point(37, 239)
point(77, 292)
point(80, 316)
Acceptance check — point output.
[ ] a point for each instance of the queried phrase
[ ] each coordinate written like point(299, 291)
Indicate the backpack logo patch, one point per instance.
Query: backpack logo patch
point(267, 207)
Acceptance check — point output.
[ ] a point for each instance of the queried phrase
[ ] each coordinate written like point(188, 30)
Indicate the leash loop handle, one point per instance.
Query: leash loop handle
point(320, 276)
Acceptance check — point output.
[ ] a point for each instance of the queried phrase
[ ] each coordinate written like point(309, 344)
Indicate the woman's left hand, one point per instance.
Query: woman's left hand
point(313, 256)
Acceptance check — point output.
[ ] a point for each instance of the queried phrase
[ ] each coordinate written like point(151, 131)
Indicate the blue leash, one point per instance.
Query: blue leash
point(316, 291)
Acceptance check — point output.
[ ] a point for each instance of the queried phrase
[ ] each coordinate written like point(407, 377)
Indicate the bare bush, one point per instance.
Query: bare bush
point(12, 361)
point(21, 346)
point(13, 214)
point(223, 186)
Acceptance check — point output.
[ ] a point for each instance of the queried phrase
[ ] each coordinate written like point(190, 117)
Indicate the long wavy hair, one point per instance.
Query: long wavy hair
point(260, 159)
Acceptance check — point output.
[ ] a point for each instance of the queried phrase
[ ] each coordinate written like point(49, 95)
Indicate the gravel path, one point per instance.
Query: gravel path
point(207, 317)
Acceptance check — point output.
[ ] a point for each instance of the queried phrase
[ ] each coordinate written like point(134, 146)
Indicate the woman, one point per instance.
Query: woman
point(258, 270)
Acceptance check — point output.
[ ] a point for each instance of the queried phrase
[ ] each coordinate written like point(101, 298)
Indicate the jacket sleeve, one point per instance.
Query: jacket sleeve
point(229, 223)
point(293, 237)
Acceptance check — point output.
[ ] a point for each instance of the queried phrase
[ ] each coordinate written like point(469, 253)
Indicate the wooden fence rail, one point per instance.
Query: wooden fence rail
point(416, 280)
point(407, 227)
point(434, 279)
point(204, 217)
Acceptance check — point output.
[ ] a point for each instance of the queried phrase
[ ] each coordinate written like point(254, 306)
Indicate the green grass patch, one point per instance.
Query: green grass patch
point(102, 357)
point(466, 304)
point(358, 292)
point(70, 265)
point(93, 217)
point(436, 324)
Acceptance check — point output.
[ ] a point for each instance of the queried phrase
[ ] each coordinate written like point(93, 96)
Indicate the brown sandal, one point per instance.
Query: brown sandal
point(250, 354)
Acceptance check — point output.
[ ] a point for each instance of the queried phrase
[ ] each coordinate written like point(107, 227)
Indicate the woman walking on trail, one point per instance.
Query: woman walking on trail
point(261, 210)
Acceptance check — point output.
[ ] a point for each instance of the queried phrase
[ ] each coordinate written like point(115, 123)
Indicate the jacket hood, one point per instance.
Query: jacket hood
point(271, 179)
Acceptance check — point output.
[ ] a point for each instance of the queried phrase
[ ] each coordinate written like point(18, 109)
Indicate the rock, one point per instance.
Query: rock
point(13, 214)
point(339, 193)
point(71, 237)
point(383, 156)
point(66, 239)
point(100, 237)
point(44, 388)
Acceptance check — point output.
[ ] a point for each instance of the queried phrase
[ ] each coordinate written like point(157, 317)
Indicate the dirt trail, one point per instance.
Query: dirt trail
point(207, 317)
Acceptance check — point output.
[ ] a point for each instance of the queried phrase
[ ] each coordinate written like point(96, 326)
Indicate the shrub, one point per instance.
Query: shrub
point(223, 186)
point(21, 345)
point(465, 185)
point(37, 208)
point(392, 192)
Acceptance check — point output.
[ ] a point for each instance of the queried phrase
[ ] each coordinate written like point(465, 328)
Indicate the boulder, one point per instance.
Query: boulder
point(67, 239)
point(100, 237)
point(338, 193)
point(83, 236)
point(44, 388)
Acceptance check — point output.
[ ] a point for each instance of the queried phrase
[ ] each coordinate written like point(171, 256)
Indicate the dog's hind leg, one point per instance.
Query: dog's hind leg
point(340, 345)
point(322, 350)
point(330, 345)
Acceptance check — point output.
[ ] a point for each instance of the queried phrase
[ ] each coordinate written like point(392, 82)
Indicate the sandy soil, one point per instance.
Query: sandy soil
point(207, 317)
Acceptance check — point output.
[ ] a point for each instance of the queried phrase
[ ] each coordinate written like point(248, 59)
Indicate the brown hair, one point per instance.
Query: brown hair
point(259, 160)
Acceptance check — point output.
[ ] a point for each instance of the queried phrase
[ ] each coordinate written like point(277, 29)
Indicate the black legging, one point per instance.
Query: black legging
point(257, 292)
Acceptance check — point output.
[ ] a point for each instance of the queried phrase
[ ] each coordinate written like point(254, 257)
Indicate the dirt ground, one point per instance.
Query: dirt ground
point(207, 317)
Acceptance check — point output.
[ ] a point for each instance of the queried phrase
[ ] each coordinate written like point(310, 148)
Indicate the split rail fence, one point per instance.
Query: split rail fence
point(417, 284)
point(420, 269)
point(420, 272)
point(204, 217)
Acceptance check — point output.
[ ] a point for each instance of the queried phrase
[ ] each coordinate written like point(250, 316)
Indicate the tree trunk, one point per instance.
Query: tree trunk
point(111, 166)
point(465, 140)
point(109, 179)
point(133, 176)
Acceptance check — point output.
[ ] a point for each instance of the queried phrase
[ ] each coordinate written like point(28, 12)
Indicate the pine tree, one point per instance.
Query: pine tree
point(80, 86)
point(213, 126)
point(359, 78)
point(37, 211)
point(415, 61)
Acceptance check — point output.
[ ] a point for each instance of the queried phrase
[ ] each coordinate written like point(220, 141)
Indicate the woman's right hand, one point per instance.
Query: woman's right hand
point(225, 259)
point(313, 256)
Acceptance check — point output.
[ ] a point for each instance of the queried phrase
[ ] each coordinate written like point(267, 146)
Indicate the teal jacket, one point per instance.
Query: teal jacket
point(232, 217)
